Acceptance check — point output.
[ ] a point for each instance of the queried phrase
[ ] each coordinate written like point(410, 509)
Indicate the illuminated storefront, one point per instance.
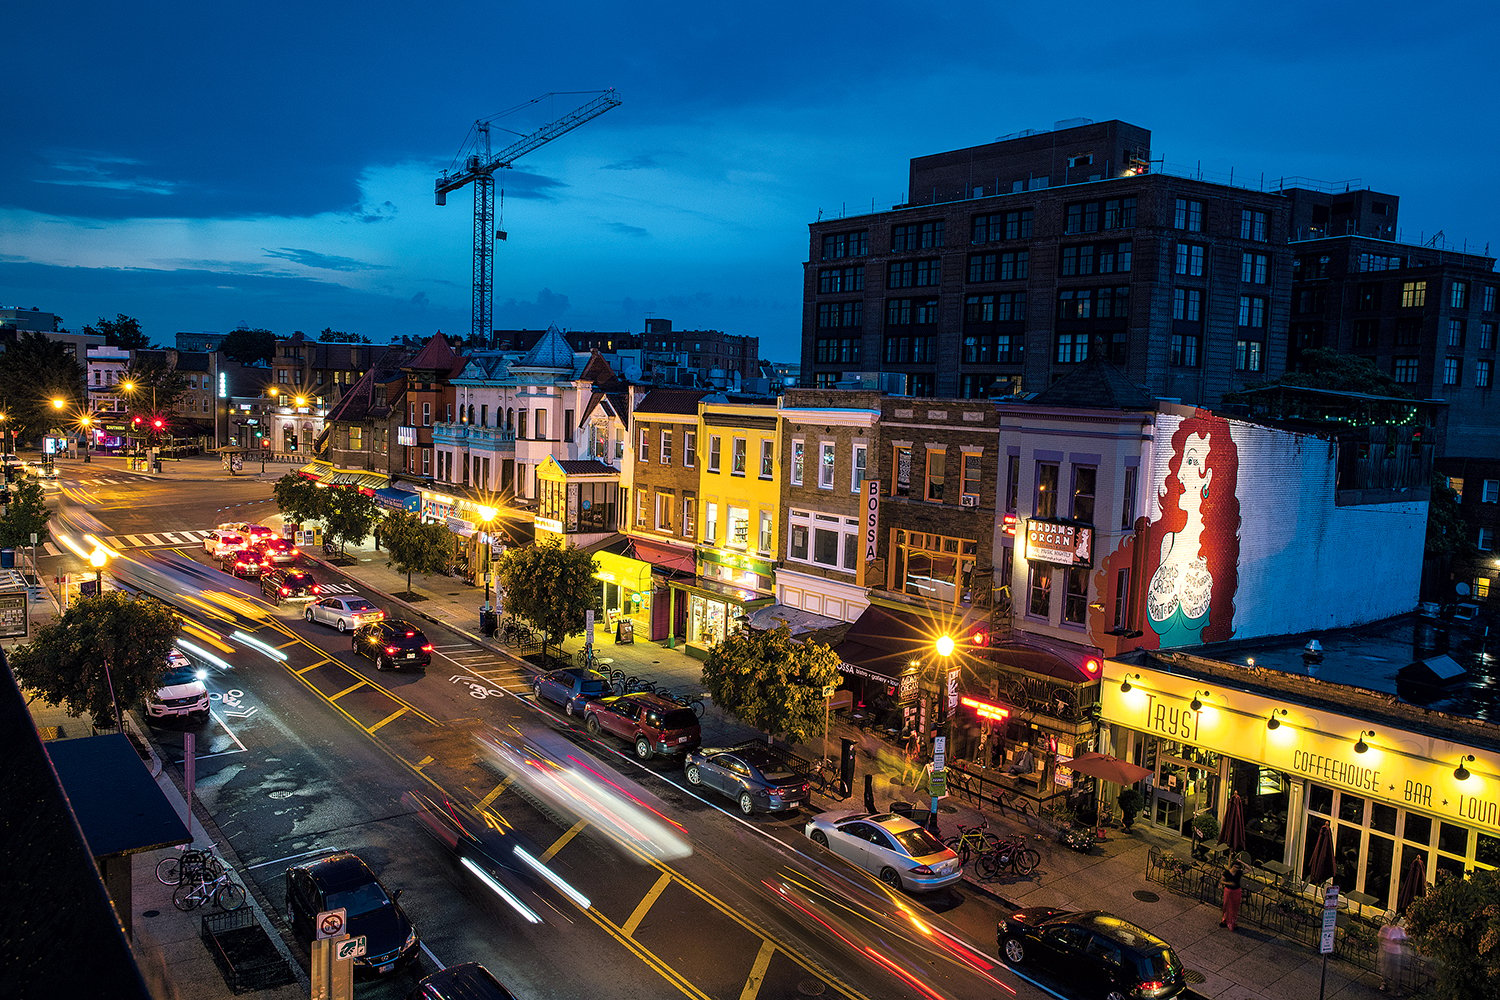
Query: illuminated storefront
point(626, 585)
point(1388, 792)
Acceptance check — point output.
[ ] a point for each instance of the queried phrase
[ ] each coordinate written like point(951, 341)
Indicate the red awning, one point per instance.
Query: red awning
point(667, 558)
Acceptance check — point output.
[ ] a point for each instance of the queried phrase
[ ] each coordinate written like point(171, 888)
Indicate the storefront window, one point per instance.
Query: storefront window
point(1266, 794)
point(933, 566)
point(739, 527)
point(707, 620)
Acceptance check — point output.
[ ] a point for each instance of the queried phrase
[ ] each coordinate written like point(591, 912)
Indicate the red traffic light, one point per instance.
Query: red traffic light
point(980, 637)
point(136, 422)
point(158, 424)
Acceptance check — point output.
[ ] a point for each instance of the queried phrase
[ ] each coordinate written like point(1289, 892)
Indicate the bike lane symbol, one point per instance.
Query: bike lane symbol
point(477, 689)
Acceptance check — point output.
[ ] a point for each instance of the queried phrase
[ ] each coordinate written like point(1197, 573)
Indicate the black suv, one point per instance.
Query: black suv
point(1101, 955)
point(393, 644)
point(342, 881)
point(288, 585)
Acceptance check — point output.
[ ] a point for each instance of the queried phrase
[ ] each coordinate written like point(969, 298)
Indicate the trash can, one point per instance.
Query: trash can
point(902, 809)
point(7, 558)
point(488, 623)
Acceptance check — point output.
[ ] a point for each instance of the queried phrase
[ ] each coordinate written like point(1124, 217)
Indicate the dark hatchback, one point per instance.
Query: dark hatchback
point(469, 981)
point(393, 644)
point(1100, 954)
point(288, 585)
point(570, 688)
point(756, 776)
point(342, 881)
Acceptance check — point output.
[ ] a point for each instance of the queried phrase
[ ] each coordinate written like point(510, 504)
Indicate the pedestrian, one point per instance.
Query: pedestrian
point(1392, 955)
point(1233, 893)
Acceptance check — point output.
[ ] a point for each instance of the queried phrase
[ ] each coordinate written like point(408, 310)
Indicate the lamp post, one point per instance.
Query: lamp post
point(944, 648)
point(4, 433)
point(97, 559)
point(487, 515)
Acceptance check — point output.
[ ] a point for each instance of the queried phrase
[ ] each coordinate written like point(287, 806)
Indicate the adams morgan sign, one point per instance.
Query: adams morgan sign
point(1404, 769)
point(1063, 543)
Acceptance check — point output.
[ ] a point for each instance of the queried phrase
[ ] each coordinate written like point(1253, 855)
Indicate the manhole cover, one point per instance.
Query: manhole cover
point(150, 913)
point(812, 988)
point(1193, 976)
point(1146, 897)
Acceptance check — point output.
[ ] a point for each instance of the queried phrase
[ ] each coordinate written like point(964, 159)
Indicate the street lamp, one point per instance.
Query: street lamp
point(486, 515)
point(97, 559)
point(944, 648)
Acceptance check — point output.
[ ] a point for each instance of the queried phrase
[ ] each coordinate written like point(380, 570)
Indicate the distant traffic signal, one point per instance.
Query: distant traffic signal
point(136, 422)
point(980, 636)
point(157, 423)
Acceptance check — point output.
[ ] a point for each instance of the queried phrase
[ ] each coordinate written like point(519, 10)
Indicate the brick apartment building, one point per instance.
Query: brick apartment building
point(1010, 258)
point(664, 350)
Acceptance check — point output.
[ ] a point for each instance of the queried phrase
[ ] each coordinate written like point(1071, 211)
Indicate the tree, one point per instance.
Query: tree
point(122, 331)
point(1448, 534)
point(249, 346)
point(25, 515)
point(33, 371)
point(772, 682)
point(113, 639)
point(1325, 368)
point(332, 336)
point(157, 387)
point(1457, 925)
point(415, 546)
point(297, 498)
point(348, 516)
point(550, 585)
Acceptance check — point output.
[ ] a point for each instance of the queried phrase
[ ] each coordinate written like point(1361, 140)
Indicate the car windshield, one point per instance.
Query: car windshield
point(366, 898)
point(179, 675)
point(361, 606)
point(1159, 964)
point(917, 842)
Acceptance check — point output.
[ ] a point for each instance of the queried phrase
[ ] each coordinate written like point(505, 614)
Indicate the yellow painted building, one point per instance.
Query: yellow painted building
point(739, 493)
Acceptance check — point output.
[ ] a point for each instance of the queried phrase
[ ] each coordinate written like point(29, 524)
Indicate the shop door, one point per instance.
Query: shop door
point(1185, 781)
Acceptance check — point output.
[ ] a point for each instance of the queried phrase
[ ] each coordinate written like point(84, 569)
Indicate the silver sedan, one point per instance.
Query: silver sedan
point(893, 848)
point(343, 613)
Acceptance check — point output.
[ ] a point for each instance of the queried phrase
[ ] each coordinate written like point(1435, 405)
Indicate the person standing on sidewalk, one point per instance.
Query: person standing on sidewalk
point(1234, 893)
point(1392, 955)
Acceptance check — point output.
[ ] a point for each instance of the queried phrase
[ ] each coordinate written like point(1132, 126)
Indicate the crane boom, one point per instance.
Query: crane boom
point(479, 169)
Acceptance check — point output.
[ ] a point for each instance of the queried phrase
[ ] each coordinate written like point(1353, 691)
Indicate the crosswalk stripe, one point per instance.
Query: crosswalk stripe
point(169, 536)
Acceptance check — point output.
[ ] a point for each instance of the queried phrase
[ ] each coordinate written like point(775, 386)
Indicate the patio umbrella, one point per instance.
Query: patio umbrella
point(1320, 865)
point(1414, 884)
point(1232, 833)
point(1100, 765)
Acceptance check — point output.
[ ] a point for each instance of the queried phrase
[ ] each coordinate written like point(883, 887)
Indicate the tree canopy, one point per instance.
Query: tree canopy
point(122, 331)
point(771, 681)
point(332, 336)
point(249, 346)
point(33, 371)
point(1325, 368)
point(550, 585)
point(414, 545)
point(27, 513)
point(1448, 534)
point(347, 515)
point(1457, 925)
point(157, 387)
point(297, 498)
point(66, 663)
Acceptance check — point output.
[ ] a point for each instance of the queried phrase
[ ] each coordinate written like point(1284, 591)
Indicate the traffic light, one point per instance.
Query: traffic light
point(158, 424)
point(980, 637)
point(136, 422)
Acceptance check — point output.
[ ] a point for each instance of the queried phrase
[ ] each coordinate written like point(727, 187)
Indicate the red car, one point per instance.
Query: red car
point(651, 722)
point(244, 564)
point(275, 552)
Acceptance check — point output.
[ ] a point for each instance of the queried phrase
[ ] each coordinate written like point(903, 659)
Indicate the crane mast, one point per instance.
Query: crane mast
point(479, 169)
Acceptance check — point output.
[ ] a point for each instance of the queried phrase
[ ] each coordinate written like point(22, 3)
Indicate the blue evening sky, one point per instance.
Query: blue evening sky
point(201, 166)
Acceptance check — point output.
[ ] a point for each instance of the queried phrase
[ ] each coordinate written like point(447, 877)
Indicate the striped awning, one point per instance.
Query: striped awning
point(316, 471)
point(346, 477)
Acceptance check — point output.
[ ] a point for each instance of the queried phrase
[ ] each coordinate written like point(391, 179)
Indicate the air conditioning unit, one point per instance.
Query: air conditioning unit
point(970, 500)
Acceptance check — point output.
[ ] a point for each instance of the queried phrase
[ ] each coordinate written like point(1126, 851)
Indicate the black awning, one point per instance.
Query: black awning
point(883, 642)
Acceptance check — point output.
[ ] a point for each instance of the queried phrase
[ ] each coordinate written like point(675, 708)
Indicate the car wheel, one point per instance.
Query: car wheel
point(694, 776)
point(569, 709)
point(592, 725)
point(820, 838)
point(642, 748)
point(342, 626)
point(890, 877)
point(385, 663)
point(1114, 995)
point(308, 615)
point(747, 804)
point(1013, 950)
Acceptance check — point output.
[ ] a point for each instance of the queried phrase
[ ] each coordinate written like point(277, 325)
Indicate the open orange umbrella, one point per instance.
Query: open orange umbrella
point(1232, 833)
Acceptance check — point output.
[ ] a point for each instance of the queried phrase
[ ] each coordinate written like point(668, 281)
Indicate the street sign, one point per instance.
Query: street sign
point(939, 752)
point(1330, 919)
point(331, 923)
point(349, 948)
point(937, 783)
point(829, 690)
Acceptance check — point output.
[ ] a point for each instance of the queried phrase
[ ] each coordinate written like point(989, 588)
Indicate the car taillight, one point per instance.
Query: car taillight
point(1153, 985)
point(285, 592)
point(427, 648)
point(317, 588)
point(390, 650)
point(921, 870)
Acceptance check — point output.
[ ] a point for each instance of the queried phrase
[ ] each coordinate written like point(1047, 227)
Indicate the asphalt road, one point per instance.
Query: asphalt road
point(321, 752)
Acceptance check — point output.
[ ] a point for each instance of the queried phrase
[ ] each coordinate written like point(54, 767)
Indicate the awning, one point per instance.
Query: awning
point(666, 558)
point(394, 499)
point(316, 471)
point(799, 622)
point(366, 480)
point(1062, 661)
point(632, 574)
point(883, 642)
point(719, 591)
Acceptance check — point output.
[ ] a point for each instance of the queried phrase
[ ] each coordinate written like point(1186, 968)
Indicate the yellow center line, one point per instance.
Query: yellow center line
point(389, 718)
point(315, 666)
point(285, 645)
point(758, 970)
point(423, 762)
point(352, 687)
point(644, 906)
point(647, 956)
point(494, 794)
point(562, 841)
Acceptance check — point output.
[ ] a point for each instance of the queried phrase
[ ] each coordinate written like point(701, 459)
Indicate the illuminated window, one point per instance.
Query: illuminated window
point(937, 460)
point(969, 474)
point(645, 449)
point(738, 458)
point(1187, 304)
point(666, 447)
point(665, 502)
point(797, 462)
point(1085, 477)
point(689, 449)
point(933, 566)
point(1046, 490)
point(901, 481)
point(767, 458)
point(860, 451)
point(1039, 589)
point(1413, 294)
point(826, 465)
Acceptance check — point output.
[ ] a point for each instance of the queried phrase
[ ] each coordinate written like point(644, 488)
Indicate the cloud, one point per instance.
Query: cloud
point(384, 212)
point(111, 173)
point(645, 161)
point(520, 184)
point(420, 300)
point(624, 229)
point(515, 314)
point(327, 261)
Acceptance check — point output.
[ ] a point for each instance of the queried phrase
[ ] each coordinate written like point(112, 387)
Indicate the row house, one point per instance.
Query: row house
point(305, 380)
point(192, 412)
point(362, 427)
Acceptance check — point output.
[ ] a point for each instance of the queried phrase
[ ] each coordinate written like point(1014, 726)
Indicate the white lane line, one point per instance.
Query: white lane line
point(221, 722)
point(150, 539)
point(289, 857)
point(428, 952)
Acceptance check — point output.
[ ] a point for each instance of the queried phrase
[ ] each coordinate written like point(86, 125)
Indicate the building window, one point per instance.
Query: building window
point(1253, 311)
point(797, 460)
point(1127, 497)
point(836, 350)
point(841, 314)
point(1183, 352)
point(1487, 298)
point(427, 462)
point(1187, 304)
point(937, 461)
point(825, 465)
point(689, 516)
point(1188, 215)
point(1249, 356)
point(664, 504)
point(1458, 295)
point(1122, 600)
point(827, 540)
point(1039, 589)
point(1405, 370)
point(666, 447)
point(1486, 539)
point(767, 458)
point(356, 438)
point(917, 236)
point(858, 475)
point(909, 349)
point(713, 452)
point(1455, 333)
point(567, 425)
point(1012, 482)
point(710, 522)
point(645, 447)
point(1486, 336)
point(689, 449)
point(901, 481)
point(1072, 347)
point(1085, 478)
point(426, 414)
point(1452, 367)
point(640, 507)
point(1190, 259)
point(1489, 491)
point(1046, 490)
point(1413, 294)
point(969, 474)
point(833, 280)
point(1253, 225)
point(766, 524)
point(838, 245)
point(541, 423)
point(738, 528)
point(1254, 268)
point(933, 566)
point(737, 461)
point(1076, 595)
point(1484, 370)
point(1014, 225)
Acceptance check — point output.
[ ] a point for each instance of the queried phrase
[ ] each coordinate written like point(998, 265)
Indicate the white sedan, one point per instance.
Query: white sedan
point(220, 543)
point(343, 613)
point(894, 849)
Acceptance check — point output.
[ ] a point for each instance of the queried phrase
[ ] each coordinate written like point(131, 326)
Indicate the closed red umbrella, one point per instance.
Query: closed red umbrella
point(1414, 883)
point(1320, 864)
point(1232, 833)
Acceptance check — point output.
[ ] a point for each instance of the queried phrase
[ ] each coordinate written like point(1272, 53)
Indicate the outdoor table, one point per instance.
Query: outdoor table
point(1276, 868)
point(1217, 852)
point(1361, 900)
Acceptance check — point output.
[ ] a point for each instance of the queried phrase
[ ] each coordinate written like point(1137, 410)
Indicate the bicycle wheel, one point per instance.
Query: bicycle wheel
point(959, 846)
point(696, 705)
point(169, 870)
point(987, 865)
point(991, 842)
point(187, 897)
point(230, 896)
point(1027, 859)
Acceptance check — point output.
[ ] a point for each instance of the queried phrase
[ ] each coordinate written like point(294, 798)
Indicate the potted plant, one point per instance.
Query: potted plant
point(1205, 828)
point(1130, 801)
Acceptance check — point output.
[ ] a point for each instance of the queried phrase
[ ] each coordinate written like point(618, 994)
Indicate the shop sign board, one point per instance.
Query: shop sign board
point(870, 490)
point(1062, 543)
point(1330, 919)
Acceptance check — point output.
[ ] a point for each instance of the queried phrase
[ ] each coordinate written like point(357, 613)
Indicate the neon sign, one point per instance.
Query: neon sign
point(984, 709)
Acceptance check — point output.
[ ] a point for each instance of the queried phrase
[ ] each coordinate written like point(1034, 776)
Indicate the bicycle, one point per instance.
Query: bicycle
point(973, 840)
point(824, 774)
point(687, 700)
point(225, 893)
point(196, 865)
point(1012, 854)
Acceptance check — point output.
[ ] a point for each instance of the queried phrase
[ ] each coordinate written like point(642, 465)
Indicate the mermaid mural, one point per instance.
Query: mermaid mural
point(1194, 544)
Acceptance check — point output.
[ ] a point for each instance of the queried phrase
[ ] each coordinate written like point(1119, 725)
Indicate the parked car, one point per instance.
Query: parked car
point(221, 542)
point(342, 881)
point(251, 531)
point(343, 613)
point(571, 688)
point(244, 564)
point(1100, 954)
point(275, 551)
point(760, 778)
point(468, 981)
point(900, 853)
point(393, 644)
point(649, 721)
point(182, 694)
point(288, 585)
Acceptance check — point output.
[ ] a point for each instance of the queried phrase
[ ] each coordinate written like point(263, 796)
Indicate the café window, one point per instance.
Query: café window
point(1046, 490)
point(933, 566)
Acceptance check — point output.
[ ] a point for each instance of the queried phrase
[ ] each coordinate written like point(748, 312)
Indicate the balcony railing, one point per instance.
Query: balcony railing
point(474, 437)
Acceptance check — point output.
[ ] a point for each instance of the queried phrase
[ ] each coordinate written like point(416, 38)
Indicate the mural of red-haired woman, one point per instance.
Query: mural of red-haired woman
point(1194, 554)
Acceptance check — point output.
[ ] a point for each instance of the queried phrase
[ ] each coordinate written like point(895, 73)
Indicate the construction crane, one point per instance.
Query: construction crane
point(479, 169)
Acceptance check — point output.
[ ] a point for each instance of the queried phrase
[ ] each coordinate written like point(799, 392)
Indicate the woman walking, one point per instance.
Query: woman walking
point(1233, 893)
